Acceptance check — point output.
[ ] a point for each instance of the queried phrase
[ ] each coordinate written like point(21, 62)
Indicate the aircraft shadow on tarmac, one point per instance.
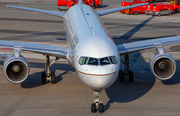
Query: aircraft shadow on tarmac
point(104, 6)
point(126, 37)
point(127, 91)
point(62, 39)
point(143, 81)
point(34, 80)
point(176, 78)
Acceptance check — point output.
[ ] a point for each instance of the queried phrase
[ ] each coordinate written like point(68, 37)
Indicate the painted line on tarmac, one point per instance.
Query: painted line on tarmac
point(115, 29)
point(30, 33)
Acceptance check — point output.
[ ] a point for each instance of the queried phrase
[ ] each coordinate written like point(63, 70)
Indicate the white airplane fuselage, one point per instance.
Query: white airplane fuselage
point(88, 38)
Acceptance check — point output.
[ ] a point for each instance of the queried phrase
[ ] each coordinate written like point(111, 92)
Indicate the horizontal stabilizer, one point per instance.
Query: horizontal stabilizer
point(56, 13)
point(104, 12)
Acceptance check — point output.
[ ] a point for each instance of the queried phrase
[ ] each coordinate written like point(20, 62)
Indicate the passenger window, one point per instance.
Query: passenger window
point(104, 61)
point(93, 61)
point(113, 59)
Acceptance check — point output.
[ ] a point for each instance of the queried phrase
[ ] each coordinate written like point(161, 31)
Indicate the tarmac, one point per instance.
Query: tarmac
point(69, 96)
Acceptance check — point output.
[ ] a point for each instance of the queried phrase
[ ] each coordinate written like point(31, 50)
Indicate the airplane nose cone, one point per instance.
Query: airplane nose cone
point(101, 78)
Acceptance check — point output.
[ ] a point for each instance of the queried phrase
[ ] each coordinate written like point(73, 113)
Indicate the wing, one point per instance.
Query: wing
point(141, 45)
point(104, 12)
point(56, 13)
point(59, 52)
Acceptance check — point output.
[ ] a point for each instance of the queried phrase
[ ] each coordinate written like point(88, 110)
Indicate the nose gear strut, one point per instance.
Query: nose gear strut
point(97, 103)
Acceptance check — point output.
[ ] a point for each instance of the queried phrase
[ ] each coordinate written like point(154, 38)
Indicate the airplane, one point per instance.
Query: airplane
point(90, 50)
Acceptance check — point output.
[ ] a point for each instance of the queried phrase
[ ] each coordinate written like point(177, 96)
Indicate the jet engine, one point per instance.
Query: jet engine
point(163, 66)
point(16, 69)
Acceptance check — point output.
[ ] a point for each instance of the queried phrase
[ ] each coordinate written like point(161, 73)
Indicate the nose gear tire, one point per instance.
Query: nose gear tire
point(101, 108)
point(93, 107)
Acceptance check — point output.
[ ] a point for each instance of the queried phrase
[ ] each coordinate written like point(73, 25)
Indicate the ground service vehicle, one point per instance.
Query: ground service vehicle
point(136, 10)
point(98, 3)
point(65, 4)
point(90, 3)
point(123, 4)
point(149, 9)
point(160, 9)
point(155, 1)
point(150, 1)
point(163, 8)
point(176, 4)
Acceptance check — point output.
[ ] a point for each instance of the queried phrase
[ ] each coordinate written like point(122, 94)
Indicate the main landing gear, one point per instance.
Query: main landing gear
point(126, 74)
point(97, 103)
point(47, 75)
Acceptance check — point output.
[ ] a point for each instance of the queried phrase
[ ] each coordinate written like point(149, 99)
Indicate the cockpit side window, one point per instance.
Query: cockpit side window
point(104, 61)
point(83, 60)
point(113, 59)
point(93, 61)
point(80, 60)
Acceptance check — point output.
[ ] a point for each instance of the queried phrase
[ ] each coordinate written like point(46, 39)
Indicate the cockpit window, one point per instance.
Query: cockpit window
point(80, 60)
point(93, 61)
point(98, 61)
point(83, 60)
point(104, 61)
point(113, 59)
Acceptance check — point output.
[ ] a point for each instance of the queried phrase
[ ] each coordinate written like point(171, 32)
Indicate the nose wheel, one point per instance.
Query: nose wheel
point(126, 74)
point(97, 105)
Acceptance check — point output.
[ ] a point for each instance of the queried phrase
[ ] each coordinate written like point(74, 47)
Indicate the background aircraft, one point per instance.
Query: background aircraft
point(91, 51)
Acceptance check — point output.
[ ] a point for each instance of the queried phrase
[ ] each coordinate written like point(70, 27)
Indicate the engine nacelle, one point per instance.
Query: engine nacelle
point(163, 66)
point(16, 69)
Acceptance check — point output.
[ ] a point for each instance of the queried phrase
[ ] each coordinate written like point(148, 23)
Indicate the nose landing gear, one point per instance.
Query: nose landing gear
point(97, 103)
